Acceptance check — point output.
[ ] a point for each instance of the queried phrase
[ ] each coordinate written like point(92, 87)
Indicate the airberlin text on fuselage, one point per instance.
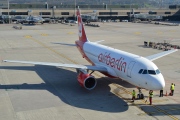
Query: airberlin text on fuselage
point(119, 64)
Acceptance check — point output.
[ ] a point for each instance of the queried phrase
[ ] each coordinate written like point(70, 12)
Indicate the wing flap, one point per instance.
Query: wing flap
point(159, 55)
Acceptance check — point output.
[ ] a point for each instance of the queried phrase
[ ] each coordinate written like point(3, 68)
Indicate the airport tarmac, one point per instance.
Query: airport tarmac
point(30, 92)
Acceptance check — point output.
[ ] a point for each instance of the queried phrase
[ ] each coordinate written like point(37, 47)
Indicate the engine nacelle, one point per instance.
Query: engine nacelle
point(87, 81)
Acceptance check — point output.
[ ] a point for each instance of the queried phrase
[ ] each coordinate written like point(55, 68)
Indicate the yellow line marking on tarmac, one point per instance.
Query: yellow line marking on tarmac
point(70, 33)
point(173, 117)
point(137, 33)
point(62, 55)
point(159, 32)
point(160, 111)
point(43, 34)
point(122, 93)
point(172, 30)
point(28, 36)
point(158, 101)
point(173, 109)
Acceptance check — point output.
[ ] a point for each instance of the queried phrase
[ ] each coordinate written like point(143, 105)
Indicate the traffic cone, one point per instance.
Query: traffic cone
point(166, 93)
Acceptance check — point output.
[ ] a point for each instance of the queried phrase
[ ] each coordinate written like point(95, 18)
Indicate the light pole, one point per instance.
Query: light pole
point(130, 11)
point(74, 10)
point(47, 5)
point(8, 11)
point(0, 11)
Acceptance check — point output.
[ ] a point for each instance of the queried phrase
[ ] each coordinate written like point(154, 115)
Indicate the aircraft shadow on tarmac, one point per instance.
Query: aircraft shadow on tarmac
point(161, 110)
point(63, 83)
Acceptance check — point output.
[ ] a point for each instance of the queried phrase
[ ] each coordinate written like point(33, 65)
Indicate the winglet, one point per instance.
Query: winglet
point(81, 32)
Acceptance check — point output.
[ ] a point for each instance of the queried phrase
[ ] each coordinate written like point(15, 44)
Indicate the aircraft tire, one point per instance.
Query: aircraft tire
point(142, 96)
point(138, 96)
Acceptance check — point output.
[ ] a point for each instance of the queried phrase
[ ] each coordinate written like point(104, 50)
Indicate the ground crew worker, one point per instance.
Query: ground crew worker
point(172, 89)
point(133, 95)
point(161, 93)
point(150, 96)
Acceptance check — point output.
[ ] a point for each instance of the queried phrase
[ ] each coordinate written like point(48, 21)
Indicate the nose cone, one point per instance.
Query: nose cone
point(158, 82)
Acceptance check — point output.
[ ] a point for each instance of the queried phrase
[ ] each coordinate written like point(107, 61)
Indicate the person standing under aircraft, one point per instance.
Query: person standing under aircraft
point(133, 95)
point(172, 89)
point(150, 96)
point(161, 93)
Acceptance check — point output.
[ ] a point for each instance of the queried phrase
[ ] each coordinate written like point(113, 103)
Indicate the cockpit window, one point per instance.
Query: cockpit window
point(144, 72)
point(157, 71)
point(151, 72)
point(140, 71)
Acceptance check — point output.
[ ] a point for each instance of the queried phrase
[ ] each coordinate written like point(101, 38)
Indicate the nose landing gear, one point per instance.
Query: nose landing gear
point(140, 95)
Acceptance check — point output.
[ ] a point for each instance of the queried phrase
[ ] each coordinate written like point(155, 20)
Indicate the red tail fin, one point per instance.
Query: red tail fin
point(81, 32)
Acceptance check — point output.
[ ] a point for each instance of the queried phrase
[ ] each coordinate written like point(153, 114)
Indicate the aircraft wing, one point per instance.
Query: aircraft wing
point(159, 55)
point(76, 66)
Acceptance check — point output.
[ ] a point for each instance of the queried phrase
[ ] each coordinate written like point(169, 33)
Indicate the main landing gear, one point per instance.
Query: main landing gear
point(140, 95)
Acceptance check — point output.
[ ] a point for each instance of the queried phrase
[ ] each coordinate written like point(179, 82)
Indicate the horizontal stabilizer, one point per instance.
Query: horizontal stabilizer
point(63, 44)
point(99, 41)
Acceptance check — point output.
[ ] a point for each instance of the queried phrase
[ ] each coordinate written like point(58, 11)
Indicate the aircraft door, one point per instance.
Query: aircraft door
point(130, 67)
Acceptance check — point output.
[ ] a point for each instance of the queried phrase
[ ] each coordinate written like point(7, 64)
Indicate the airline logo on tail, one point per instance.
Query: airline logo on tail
point(82, 34)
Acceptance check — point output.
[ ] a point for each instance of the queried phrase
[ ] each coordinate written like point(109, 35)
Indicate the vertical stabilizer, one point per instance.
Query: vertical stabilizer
point(81, 31)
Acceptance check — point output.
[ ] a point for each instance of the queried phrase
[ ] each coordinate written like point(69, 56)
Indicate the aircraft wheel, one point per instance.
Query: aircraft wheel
point(138, 96)
point(142, 96)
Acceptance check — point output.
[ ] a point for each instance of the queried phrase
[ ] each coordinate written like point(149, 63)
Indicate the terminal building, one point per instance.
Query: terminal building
point(104, 11)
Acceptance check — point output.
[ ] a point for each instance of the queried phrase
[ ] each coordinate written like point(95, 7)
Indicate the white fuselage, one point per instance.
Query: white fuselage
point(125, 65)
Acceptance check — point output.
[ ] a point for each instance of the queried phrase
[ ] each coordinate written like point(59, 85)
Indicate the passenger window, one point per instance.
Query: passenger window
point(152, 72)
point(140, 71)
point(157, 71)
point(144, 72)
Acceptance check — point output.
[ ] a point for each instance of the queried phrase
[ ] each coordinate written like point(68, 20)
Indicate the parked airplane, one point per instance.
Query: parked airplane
point(137, 70)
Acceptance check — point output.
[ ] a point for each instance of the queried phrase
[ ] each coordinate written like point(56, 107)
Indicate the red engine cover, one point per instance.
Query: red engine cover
point(82, 77)
point(87, 81)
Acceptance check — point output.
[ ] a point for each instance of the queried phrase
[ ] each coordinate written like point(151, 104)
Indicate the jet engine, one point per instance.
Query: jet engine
point(87, 81)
